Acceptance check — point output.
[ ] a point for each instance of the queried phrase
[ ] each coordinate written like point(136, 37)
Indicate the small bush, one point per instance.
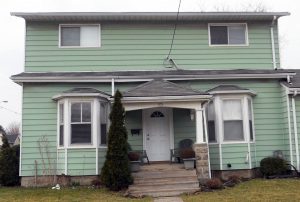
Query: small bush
point(133, 156)
point(273, 166)
point(234, 179)
point(214, 183)
point(187, 153)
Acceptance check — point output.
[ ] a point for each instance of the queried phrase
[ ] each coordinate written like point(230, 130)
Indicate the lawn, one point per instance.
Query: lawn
point(254, 190)
point(65, 195)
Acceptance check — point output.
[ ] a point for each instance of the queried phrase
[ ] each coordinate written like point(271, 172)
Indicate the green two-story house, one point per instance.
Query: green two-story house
point(216, 79)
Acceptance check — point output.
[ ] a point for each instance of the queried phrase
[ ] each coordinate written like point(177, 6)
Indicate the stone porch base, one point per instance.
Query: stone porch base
point(62, 180)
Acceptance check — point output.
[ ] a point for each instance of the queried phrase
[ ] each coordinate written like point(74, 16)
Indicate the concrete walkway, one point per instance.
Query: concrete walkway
point(168, 199)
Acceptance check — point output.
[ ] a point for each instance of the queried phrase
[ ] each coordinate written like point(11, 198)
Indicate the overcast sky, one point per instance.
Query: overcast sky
point(12, 32)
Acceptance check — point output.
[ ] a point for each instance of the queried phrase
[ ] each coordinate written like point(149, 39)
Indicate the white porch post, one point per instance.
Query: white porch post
point(199, 126)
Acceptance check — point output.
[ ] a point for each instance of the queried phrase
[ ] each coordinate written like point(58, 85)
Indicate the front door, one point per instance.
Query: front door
point(157, 133)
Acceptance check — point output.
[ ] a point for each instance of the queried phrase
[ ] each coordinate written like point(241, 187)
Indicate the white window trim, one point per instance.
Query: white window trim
point(75, 25)
point(219, 124)
point(95, 119)
point(228, 45)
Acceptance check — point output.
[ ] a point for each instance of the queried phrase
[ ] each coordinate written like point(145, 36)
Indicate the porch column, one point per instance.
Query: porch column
point(201, 149)
point(199, 126)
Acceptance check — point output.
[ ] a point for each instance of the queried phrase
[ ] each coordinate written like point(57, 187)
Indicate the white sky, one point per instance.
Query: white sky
point(12, 32)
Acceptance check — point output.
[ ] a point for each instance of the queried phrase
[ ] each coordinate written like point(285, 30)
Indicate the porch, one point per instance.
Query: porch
point(159, 114)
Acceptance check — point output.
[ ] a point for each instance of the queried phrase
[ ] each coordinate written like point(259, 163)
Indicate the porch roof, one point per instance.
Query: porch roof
point(160, 87)
point(78, 92)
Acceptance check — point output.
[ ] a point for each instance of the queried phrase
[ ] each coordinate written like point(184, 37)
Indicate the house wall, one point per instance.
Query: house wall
point(144, 46)
point(40, 128)
point(40, 120)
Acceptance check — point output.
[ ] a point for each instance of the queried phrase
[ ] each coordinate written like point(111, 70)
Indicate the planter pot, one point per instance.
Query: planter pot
point(189, 163)
point(135, 166)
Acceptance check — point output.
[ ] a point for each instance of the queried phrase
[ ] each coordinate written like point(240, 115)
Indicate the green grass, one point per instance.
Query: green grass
point(254, 190)
point(65, 195)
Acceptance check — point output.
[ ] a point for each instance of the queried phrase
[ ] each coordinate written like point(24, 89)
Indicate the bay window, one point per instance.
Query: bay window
point(82, 123)
point(230, 119)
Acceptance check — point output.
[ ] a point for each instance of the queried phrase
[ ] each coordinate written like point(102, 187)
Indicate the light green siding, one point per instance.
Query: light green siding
point(133, 120)
point(40, 120)
point(144, 46)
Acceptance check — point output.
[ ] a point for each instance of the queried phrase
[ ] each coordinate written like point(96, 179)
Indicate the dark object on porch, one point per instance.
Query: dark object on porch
point(133, 156)
point(143, 155)
point(115, 173)
point(187, 153)
point(273, 166)
point(183, 144)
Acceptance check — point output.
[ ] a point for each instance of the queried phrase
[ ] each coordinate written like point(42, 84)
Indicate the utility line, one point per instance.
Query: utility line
point(175, 27)
point(10, 110)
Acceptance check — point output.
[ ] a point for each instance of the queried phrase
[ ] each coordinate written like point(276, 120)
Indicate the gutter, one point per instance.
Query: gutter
point(295, 129)
point(144, 78)
point(273, 43)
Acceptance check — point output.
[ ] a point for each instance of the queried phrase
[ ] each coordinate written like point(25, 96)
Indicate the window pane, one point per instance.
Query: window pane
point(81, 133)
point(86, 112)
point(103, 113)
point(76, 112)
point(233, 131)
point(61, 113)
point(61, 135)
point(211, 111)
point(218, 35)
point(211, 131)
point(251, 130)
point(237, 34)
point(70, 36)
point(89, 36)
point(232, 110)
point(103, 139)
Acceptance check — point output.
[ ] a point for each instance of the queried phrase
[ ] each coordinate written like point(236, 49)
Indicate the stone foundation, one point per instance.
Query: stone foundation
point(225, 174)
point(202, 168)
point(62, 180)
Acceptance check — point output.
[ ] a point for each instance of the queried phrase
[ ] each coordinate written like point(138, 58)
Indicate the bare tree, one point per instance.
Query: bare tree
point(13, 129)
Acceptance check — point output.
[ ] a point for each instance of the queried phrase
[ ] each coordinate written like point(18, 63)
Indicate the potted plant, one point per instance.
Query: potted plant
point(188, 157)
point(135, 162)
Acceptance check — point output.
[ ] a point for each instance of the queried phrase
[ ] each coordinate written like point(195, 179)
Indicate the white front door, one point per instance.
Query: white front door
point(157, 133)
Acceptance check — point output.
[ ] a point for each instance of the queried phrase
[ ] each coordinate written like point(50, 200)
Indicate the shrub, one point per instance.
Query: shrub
point(9, 164)
point(214, 183)
point(133, 156)
point(273, 166)
point(115, 173)
point(234, 179)
point(96, 183)
point(187, 153)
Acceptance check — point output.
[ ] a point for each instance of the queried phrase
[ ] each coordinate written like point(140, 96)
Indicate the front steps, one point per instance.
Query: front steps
point(163, 180)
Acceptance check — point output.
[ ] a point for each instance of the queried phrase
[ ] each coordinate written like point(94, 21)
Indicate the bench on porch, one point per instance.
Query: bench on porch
point(175, 153)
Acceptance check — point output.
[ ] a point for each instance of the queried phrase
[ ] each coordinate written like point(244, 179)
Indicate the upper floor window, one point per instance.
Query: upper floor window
point(79, 35)
point(228, 34)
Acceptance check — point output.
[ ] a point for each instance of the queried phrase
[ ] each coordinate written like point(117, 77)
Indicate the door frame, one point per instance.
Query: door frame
point(171, 126)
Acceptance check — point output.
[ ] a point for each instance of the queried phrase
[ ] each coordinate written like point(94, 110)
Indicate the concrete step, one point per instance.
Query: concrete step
point(164, 174)
point(145, 181)
point(164, 192)
point(166, 185)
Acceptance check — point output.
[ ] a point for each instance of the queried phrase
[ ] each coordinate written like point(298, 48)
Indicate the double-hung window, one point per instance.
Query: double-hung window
point(211, 122)
point(103, 123)
point(228, 34)
point(232, 120)
point(79, 35)
point(61, 124)
point(81, 123)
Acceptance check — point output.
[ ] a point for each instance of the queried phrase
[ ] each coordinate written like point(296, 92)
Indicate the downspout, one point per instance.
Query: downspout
point(295, 129)
point(289, 127)
point(112, 87)
point(273, 43)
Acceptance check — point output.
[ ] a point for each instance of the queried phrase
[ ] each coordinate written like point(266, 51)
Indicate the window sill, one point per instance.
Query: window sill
point(228, 45)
